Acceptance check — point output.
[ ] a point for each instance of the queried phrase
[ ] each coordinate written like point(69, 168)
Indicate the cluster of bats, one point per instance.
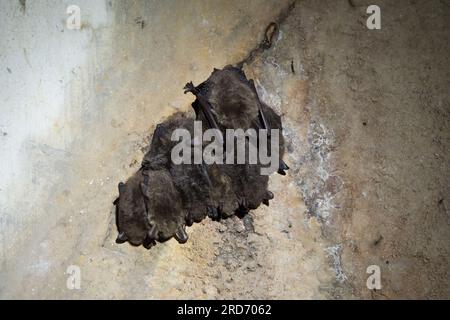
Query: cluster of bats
point(162, 198)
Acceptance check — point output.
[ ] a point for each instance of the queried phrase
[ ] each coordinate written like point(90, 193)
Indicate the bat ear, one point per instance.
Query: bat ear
point(116, 202)
point(121, 187)
point(121, 238)
point(181, 235)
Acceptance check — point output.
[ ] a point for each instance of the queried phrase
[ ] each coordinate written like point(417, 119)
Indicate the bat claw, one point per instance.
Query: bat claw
point(189, 87)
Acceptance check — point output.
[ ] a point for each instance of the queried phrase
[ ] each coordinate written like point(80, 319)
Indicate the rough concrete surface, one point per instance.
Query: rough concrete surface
point(367, 126)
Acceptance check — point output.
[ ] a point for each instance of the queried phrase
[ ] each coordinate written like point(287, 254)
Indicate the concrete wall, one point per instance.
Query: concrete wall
point(365, 115)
